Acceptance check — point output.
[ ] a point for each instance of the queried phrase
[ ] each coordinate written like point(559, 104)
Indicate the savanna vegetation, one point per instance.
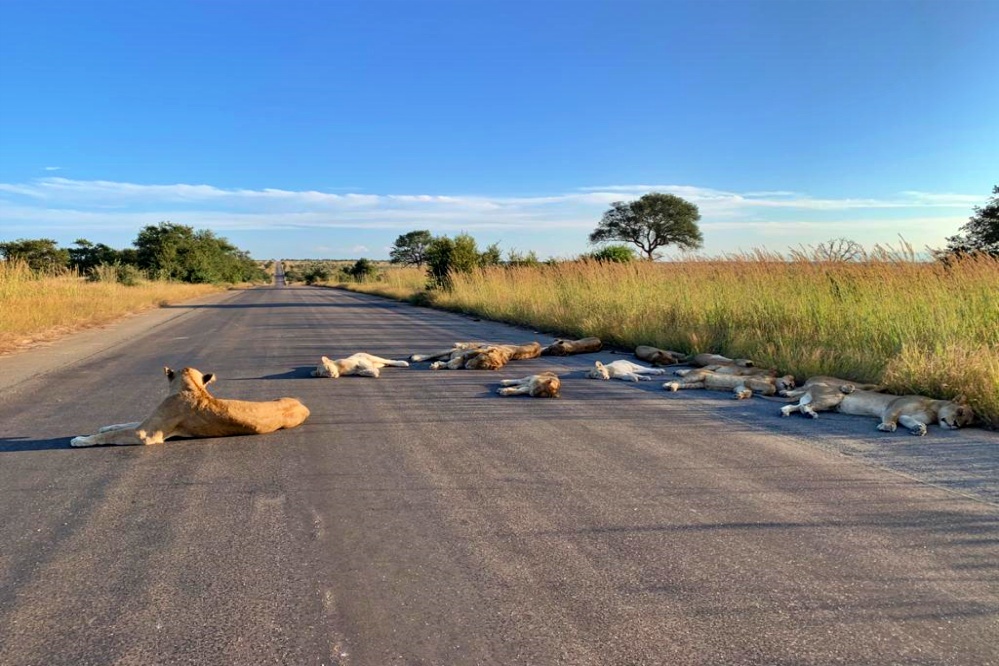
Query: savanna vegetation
point(47, 291)
point(923, 327)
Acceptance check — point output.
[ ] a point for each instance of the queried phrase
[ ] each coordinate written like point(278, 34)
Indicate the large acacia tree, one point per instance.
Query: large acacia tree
point(411, 249)
point(981, 231)
point(651, 222)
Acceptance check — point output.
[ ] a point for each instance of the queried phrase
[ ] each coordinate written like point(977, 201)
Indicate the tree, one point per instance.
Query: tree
point(981, 231)
point(411, 249)
point(40, 254)
point(86, 255)
point(171, 251)
point(491, 256)
point(653, 221)
point(363, 269)
point(446, 256)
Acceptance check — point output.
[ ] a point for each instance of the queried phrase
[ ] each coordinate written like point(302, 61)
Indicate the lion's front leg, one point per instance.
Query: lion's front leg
point(514, 390)
point(119, 437)
point(120, 426)
point(915, 426)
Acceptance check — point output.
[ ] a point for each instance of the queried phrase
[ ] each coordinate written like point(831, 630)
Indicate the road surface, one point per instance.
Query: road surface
point(421, 519)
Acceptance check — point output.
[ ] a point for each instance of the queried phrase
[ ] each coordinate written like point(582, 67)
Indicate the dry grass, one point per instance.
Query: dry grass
point(35, 309)
point(918, 327)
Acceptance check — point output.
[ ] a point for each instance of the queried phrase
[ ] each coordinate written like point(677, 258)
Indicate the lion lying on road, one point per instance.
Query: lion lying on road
point(191, 411)
point(360, 364)
point(449, 352)
point(912, 411)
point(567, 347)
point(484, 357)
point(623, 370)
point(543, 385)
point(742, 386)
point(820, 393)
point(705, 360)
point(657, 356)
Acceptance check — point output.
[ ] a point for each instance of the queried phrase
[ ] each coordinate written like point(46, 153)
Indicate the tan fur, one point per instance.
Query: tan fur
point(702, 360)
point(543, 385)
point(189, 410)
point(657, 356)
point(820, 393)
point(623, 370)
point(456, 348)
point(912, 411)
point(360, 364)
point(491, 357)
point(741, 386)
point(732, 370)
point(568, 347)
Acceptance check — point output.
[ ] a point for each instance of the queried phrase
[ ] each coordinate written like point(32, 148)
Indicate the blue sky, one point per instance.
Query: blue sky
point(327, 129)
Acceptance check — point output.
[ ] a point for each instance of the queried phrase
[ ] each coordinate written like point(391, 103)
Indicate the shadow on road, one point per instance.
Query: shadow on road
point(16, 444)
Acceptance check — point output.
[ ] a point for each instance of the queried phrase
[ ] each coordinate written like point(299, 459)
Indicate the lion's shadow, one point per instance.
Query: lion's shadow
point(17, 444)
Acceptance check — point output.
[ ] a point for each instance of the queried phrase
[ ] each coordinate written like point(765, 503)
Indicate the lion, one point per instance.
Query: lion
point(189, 410)
point(703, 360)
point(732, 370)
point(623, 370)
point(742, 386)
point(821, 393)
point(489, 357)
point(456, 348)
point(542, 385)
point(567, 347)
point(912, 411)
point(657, 356)
point(360, 364)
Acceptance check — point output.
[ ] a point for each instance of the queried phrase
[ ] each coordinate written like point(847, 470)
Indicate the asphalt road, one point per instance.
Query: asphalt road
point(421, 519)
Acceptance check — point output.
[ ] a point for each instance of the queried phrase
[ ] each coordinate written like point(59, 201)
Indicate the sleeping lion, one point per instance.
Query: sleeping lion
point(189, 410)
point(360, 364)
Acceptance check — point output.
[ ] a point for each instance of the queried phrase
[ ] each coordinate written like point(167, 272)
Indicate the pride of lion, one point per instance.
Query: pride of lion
point(189, 410)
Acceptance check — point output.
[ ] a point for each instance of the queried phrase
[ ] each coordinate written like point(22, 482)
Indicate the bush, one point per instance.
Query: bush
point(617, 253)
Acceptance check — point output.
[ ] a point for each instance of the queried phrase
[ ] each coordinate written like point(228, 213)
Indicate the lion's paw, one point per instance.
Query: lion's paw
point(918, 430)
point(80, 441)
point(672, 386)
point(886, 427)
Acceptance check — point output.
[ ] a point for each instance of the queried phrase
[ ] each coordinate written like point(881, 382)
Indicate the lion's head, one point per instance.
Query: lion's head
point(326, 368)
point(547, 386)
point(955, 414)
point(598, 371)
point(187, 379)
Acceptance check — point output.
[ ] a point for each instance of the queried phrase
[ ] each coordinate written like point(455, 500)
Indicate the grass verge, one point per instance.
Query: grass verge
point(918, 327)
point(37, 309)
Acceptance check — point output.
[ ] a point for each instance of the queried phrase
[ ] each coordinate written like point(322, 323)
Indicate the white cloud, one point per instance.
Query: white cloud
point(747, 218)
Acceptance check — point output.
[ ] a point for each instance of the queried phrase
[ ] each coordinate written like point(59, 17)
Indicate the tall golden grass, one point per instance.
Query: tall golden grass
point(917, 327)
point(36, 308)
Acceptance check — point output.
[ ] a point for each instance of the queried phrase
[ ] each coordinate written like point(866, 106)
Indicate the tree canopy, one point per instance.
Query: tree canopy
point(981, 232)
point(41, 254)
point(410, 249)
point(651, 222)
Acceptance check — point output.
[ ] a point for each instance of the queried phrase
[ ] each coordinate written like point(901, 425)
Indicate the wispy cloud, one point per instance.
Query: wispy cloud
point(727, 216)
point(52, 168)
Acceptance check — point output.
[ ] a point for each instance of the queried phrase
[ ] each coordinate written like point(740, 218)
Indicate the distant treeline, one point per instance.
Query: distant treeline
point(166, 251)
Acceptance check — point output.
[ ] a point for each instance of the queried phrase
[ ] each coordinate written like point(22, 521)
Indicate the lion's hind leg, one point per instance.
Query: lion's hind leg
point(676, 386)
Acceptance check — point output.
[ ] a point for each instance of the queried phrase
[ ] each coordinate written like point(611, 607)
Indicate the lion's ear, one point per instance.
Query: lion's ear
point(325, 359)
point(208, 379)
point(599, 364)
point(168, 372)
point(961, 399)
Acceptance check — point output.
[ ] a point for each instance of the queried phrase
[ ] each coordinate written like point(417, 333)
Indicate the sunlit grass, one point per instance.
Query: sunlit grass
point(34, 308)
point(922, 327)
